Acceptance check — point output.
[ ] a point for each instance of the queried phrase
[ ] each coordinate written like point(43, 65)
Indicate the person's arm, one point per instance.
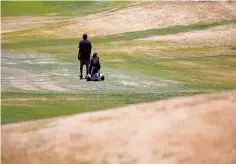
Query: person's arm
point(79, 51)
point(99, 66)
point(90, 48)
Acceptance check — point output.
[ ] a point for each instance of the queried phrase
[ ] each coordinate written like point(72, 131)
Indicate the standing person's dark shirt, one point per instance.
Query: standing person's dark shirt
point(85, 48)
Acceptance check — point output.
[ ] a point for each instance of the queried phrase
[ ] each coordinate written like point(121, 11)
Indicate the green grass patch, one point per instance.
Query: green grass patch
point(82, 8)
point(70, 8)
point(17, 107)
point(35, 43)
point(23, 8)
point(233, 47)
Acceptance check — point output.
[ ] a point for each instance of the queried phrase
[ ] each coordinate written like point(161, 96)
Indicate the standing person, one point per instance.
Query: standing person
point(85, 48)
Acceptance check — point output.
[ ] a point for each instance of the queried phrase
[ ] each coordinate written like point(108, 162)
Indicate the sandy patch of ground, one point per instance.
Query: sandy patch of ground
point(231, 74)
point(190, 63)
point(23, 100)
point(132, 49)
point(135, 49)
point(155, 15)
point(222, 35)
point(129, 83)
point(141, 83)
point(198, 129)
point(10, 24)
point(229, 6)
point(116, 60)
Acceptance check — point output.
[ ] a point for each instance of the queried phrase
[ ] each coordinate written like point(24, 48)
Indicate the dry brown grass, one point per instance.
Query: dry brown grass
point(198, 129)
point(155, 15)
point(10, 24)
point(143, 17)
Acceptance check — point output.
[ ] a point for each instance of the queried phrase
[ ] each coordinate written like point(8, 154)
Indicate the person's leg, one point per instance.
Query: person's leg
point(87, 70)
point(81, 69)
point(87, 67)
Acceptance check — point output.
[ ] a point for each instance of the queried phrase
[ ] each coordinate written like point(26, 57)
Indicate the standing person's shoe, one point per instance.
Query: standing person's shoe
point(81, 77)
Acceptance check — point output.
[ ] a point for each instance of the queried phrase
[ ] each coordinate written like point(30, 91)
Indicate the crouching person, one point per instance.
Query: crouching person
point(94, 65)
point(94, 69)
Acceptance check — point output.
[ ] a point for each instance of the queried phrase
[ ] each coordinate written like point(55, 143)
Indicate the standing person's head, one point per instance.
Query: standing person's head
point(85, 36)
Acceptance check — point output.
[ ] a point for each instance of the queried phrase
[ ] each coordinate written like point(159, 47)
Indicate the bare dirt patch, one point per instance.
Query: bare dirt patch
point(198, 129)
point(188, 63)
point(230, 74)
point(10, 24)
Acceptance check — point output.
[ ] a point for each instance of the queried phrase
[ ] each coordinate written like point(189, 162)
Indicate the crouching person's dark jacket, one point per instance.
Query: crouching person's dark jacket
point(94, 65)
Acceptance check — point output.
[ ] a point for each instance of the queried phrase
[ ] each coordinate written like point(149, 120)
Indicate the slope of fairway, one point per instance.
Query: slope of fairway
point(220, 35)
point(199, 129)
point(148, 51)
point(142, 17)
point(26, 15)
